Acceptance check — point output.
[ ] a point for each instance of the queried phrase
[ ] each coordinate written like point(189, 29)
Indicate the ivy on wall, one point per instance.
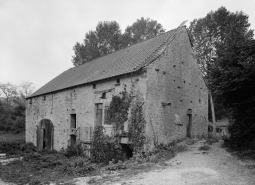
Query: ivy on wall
point(136, 127)
point(118, 111)
point(106, 148)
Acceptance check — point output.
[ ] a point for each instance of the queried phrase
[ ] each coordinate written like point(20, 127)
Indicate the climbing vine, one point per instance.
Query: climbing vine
point(118, 111)
point(136, 127)
point(122, 108)
point(104, 148)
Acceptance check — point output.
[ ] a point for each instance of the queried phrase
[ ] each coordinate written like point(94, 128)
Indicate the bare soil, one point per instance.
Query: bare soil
point(214, 167)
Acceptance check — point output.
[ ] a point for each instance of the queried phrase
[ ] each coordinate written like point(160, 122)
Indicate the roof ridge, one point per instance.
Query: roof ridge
point(161, 47)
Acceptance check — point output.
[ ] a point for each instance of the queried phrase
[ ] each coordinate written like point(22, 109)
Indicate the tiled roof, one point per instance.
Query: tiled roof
point(124, 61)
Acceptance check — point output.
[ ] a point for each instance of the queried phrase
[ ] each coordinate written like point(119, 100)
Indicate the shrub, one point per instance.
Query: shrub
point(104, 148)
point(74, 150)
point(204, 147)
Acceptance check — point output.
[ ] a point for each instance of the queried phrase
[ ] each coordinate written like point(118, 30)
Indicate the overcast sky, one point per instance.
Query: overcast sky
point(37, 36)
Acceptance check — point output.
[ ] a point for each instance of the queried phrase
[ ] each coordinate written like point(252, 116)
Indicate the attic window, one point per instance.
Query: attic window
point(94, 86)
point(44, 97)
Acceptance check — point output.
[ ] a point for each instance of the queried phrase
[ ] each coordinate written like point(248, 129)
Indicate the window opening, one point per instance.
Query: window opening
point(73, 120)
point(99, 114)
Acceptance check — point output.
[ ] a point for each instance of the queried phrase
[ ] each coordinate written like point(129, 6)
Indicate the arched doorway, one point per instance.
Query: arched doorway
point(45, 135)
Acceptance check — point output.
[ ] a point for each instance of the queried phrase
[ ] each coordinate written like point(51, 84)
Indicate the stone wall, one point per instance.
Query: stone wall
point(175, 84)
point(78, 100)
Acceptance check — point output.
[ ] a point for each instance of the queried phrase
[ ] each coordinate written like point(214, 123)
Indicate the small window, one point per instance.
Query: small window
point(44, 98)
point(117, 82)
point(103, 95)
point(30, 101)
point(94, 86)
point(106, 108)
point(73, 120)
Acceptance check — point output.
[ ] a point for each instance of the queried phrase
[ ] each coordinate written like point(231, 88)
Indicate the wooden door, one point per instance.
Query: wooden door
point(45, 133)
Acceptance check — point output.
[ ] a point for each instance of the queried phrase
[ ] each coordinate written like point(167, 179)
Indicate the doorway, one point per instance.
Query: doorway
point(189, 125)
point(45, 135)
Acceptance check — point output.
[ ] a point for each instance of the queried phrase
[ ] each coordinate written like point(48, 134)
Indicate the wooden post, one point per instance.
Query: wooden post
point(213, 114)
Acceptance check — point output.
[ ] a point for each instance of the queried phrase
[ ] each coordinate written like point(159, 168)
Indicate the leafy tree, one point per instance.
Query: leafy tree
point(108, 38)
point(105, 39)
point(141, 30)
point(13, 106)
point(209, 34)
point(214, 30)
point(233, 80)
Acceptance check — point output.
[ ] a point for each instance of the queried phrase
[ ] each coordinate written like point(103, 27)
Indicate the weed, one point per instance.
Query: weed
point(204, 147)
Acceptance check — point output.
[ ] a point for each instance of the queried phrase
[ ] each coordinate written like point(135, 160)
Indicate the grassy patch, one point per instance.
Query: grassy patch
point(204, 147)
point(210, 141)
point(11, 137)
point(42, 167)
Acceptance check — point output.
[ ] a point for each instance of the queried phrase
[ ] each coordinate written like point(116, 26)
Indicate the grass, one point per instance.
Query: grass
point(204, 147)
point(43, 167)
point(11, 137)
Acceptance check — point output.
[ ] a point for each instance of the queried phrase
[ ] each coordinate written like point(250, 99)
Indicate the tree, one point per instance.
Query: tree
point(233, 82)
point(9, 91)
point(108, 38)
point(141, 30)
point(209, 34)
point(105, 39)
point(13, 106)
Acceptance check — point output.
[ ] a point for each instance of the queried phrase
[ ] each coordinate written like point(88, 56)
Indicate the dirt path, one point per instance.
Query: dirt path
point(213, 167)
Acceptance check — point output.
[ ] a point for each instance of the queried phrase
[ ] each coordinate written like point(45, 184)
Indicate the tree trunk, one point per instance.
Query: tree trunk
point(213, 114)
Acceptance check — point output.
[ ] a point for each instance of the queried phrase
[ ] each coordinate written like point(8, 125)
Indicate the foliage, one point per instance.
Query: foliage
point(214, 30)
point(233, 82)
point(105, 39)
point(141, 30)
point(16, 147)
point(212, 33)
point(224, 46)
point(136, 127)
point(118, 111)
point(204, 147)
point(104, 148)
point(73, 150)
point(108, 38)
point(13, 106)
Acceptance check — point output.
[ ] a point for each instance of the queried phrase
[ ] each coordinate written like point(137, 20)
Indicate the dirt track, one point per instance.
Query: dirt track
point(213, 167)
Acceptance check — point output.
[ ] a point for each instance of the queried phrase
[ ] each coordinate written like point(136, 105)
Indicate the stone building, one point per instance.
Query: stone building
point(163, 70)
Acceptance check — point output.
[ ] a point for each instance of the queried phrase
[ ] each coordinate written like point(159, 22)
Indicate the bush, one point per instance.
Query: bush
point(74, 150)
point(104, 148)
point(205, 147)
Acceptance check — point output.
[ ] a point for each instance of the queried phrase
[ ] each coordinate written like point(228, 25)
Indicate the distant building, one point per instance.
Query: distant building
point(162, 70)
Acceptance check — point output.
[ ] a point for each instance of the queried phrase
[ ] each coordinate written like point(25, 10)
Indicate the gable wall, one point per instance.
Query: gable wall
point(175, 80)
point(80, 101)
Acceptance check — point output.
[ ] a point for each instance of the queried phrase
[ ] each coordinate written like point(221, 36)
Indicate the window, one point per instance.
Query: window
point(73, 120)
point(117, 82)
point(99, 114)
point(94, 86)
point(44, 97)
point(106, 108)
point(30, 101)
